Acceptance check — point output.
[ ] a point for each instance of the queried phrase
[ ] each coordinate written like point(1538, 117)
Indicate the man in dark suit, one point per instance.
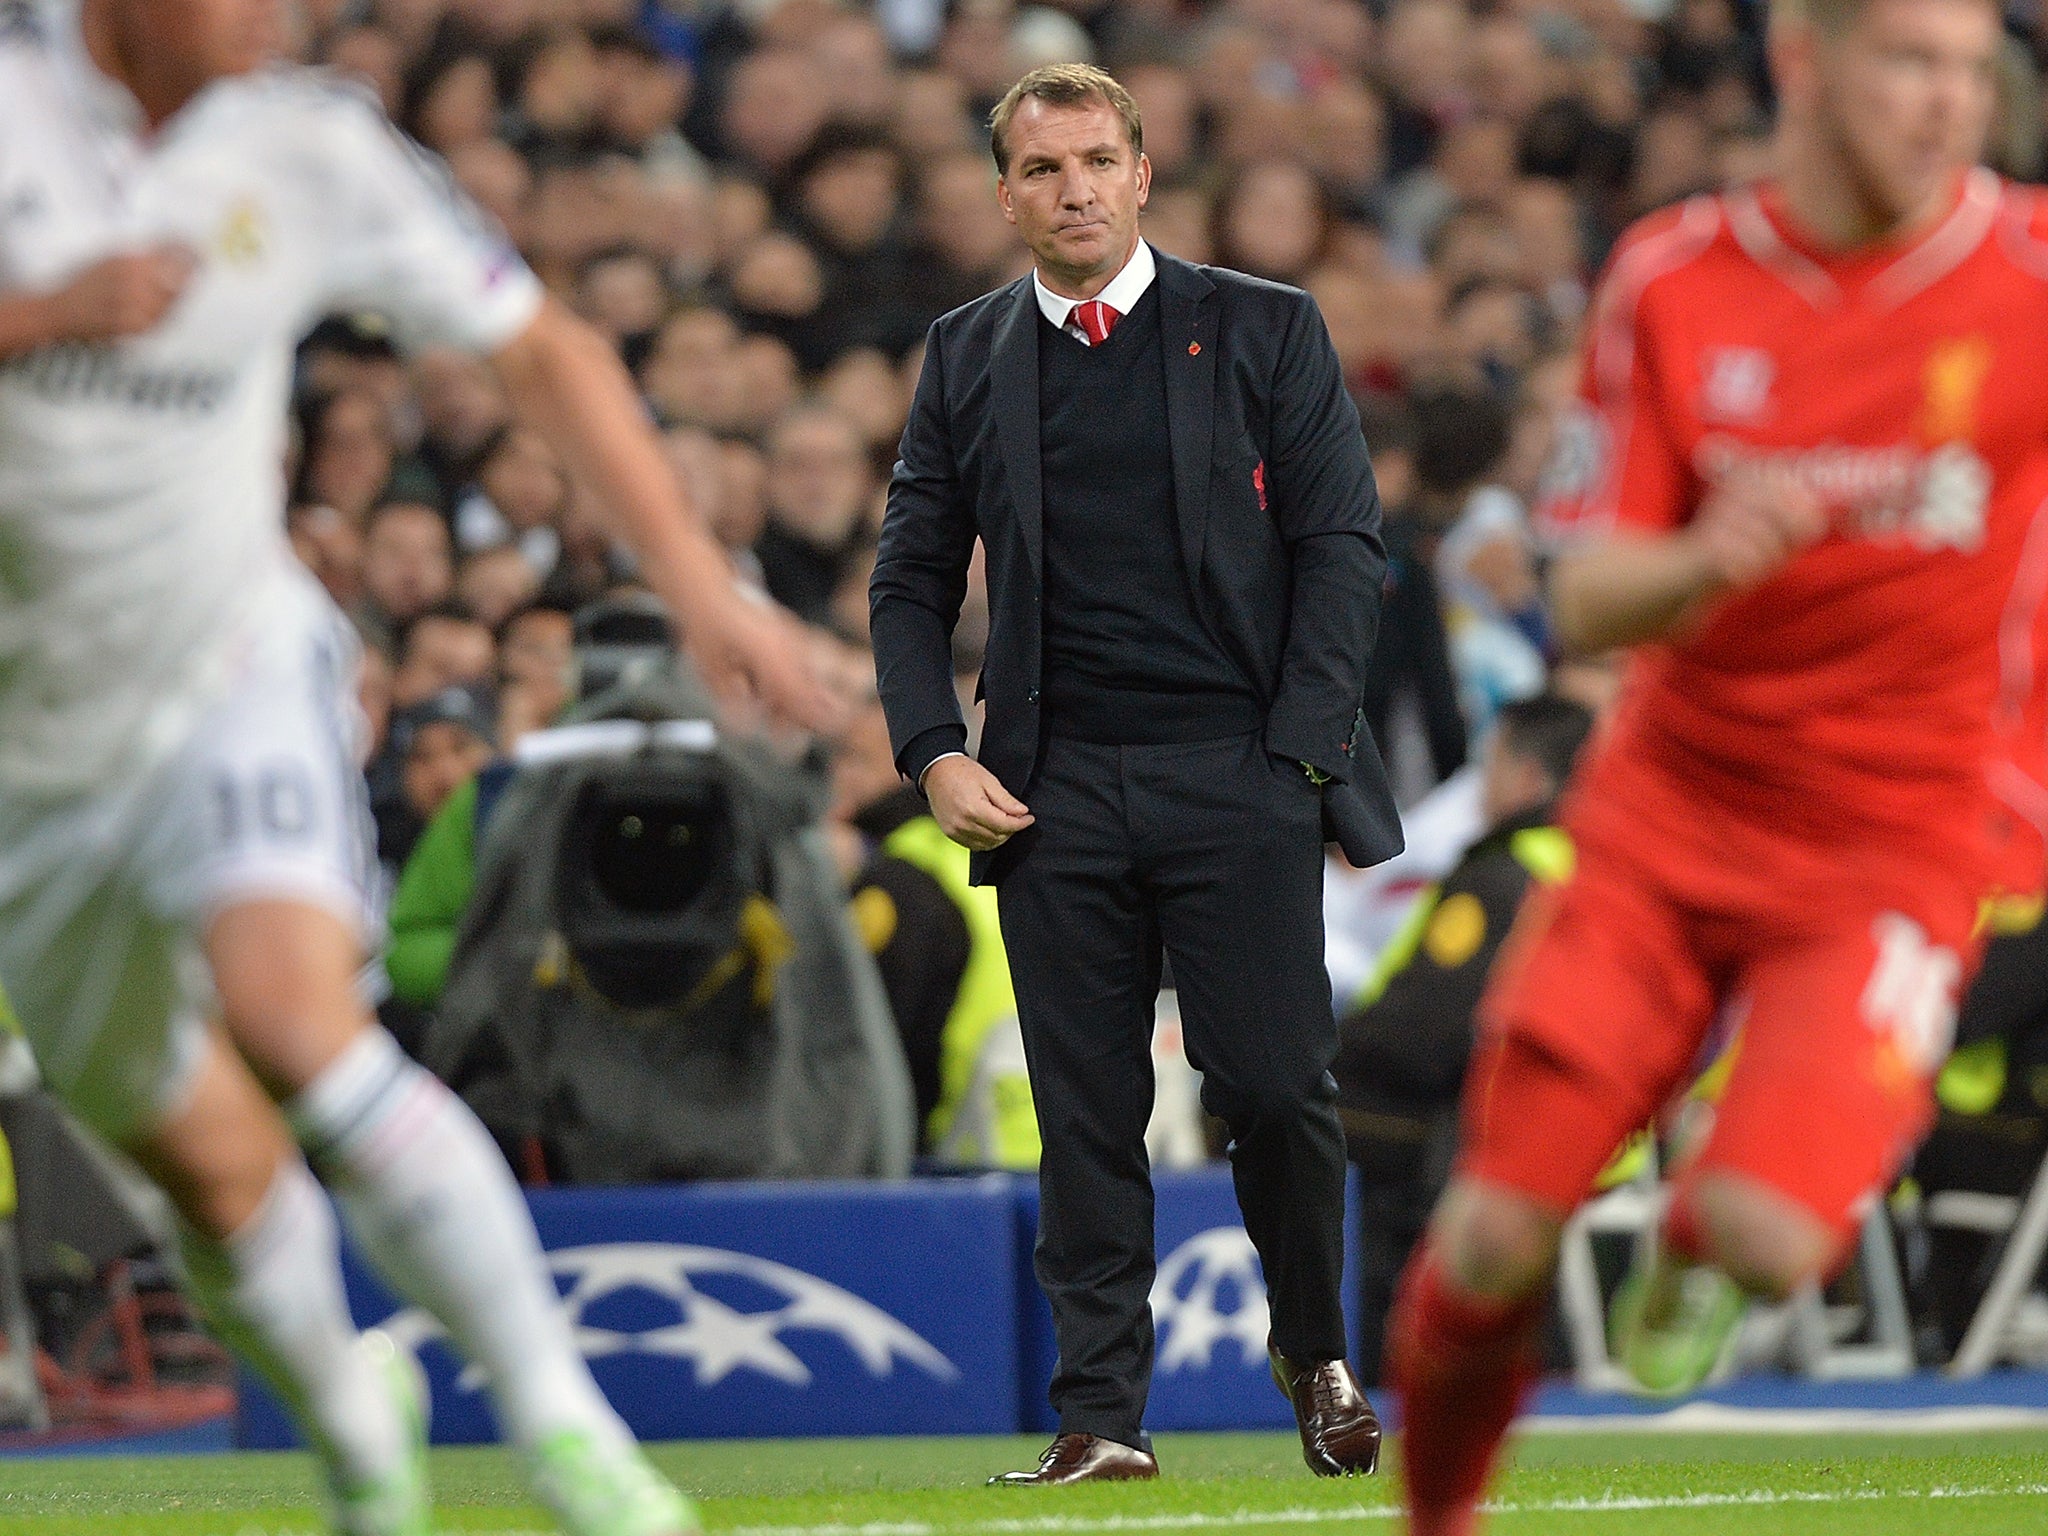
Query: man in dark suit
point(1184, 571)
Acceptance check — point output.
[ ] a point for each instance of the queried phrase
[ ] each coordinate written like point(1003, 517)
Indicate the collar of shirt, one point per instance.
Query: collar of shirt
point(1121, 293)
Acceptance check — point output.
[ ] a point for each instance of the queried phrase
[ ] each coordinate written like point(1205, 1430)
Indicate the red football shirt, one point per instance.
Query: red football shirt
point(2019, 773)
point(1860, 688)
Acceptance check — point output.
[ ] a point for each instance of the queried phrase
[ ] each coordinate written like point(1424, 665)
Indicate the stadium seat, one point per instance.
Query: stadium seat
point(1886, 1348)
point(2025, 1224)
point(1807, 1325)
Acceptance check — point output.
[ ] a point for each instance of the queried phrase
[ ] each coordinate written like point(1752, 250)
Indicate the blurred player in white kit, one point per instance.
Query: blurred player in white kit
point(182, 823)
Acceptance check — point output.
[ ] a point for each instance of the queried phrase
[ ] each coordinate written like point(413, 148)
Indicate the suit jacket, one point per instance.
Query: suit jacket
point(1275, 509)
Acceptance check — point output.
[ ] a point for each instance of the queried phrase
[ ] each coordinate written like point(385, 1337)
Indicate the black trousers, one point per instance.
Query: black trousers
point(1211, 854)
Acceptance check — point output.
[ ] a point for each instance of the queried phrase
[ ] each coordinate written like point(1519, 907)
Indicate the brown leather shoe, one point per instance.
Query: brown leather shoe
point(1083, 1459)
point(1340, 1434)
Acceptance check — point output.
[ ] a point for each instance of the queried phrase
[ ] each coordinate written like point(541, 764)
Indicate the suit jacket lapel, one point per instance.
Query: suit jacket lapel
point(1187, 332)
point(1013, 396)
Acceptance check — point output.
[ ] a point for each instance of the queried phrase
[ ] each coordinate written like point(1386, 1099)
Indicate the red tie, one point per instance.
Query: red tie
point(1096, 320)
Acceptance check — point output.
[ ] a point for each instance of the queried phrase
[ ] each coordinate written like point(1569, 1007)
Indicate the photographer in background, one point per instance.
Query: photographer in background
point(537, 663)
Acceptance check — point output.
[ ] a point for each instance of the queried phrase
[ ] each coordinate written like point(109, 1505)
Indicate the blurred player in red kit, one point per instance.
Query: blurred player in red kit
point(1810, 483)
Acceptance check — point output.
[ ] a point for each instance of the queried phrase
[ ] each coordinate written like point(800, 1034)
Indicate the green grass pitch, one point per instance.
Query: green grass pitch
point(1979, 1484)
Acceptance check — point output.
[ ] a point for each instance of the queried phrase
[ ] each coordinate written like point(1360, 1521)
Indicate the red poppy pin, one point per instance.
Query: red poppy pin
point(1259, 482)
point(1194, 349)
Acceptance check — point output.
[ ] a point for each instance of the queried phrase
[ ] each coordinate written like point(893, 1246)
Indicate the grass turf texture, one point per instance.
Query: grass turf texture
point(1980, 1484)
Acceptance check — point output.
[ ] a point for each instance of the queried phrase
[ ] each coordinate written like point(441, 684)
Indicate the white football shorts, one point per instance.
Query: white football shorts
point(104, 896)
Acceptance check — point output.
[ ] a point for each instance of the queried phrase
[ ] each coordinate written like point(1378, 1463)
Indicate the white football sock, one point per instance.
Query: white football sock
point(273, 1291)
point(431, 1200)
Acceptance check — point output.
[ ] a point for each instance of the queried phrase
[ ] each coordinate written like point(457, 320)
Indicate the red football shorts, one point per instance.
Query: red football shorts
point(1840, 969)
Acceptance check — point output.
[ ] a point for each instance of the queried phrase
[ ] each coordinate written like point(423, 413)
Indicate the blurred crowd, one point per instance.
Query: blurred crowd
point(764, 203)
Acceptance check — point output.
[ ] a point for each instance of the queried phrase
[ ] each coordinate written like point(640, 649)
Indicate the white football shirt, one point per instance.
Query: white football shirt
point(141, 530)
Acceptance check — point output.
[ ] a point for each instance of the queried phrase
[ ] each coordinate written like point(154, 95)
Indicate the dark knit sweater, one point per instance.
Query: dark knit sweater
point(1128, 660)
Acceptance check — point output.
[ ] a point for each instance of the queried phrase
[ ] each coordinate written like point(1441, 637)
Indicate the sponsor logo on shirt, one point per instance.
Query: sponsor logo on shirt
point(76, 373)
point(1904, 493)
point(1737, 384)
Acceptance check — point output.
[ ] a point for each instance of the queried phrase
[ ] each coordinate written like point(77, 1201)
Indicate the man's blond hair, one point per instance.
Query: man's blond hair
point(1062, 85)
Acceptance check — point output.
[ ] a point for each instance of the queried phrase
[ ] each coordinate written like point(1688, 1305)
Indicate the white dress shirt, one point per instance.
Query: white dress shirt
point(1121, 293)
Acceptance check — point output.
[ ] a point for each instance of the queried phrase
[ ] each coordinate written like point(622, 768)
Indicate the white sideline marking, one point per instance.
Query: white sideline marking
point(1719, 1418)
point(1059, 1525)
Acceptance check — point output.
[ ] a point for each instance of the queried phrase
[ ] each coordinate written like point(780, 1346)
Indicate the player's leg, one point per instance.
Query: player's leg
point(1768, 1243)
point(1462, 1339)
point(1726, 1238)
point(95, 980)
point(1594, 1016)
point(262, 1259)
point(265, 856)
point(430, 1198)
point(1831, 1088)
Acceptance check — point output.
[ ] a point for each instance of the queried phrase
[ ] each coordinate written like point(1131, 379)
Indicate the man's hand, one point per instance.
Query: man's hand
point(122, 295)
point(751, 647)
point(1633, 588)
point(1748, 528)
point(971, 806)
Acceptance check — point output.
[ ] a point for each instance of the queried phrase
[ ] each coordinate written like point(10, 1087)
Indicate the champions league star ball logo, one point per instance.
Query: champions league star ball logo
point(690, 1300)
point(1208, 1290)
